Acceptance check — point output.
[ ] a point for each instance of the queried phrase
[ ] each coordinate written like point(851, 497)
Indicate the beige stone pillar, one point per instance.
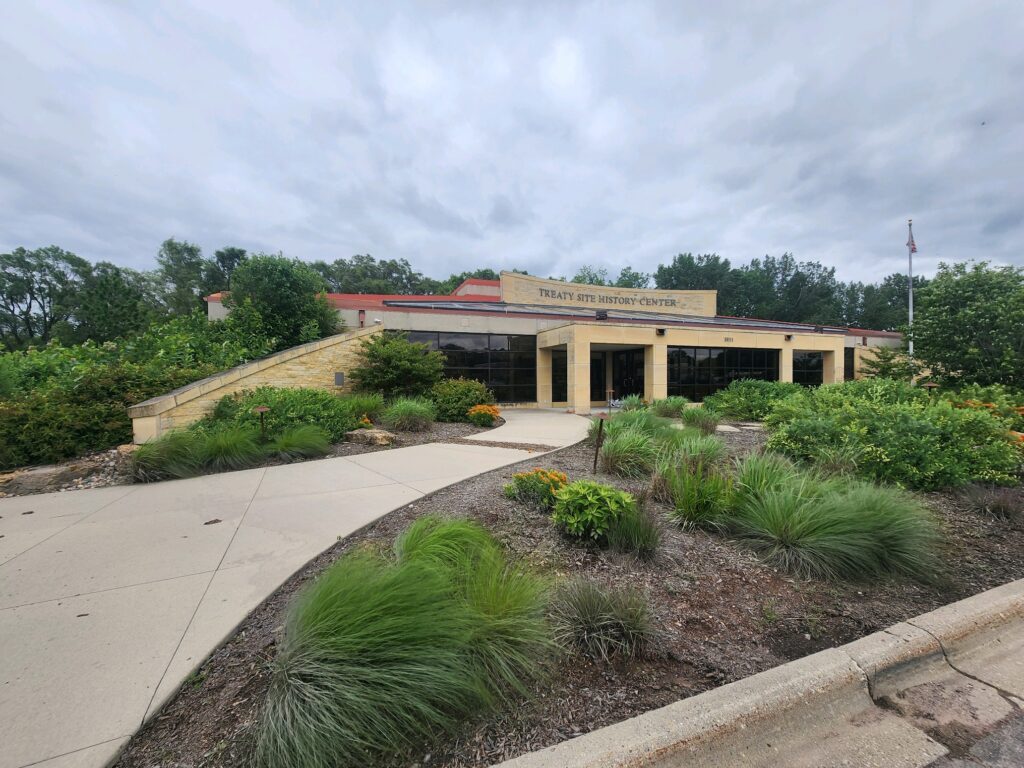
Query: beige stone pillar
point(578, 354)
point(786, 364)
point(544, 378)
point(655, 372)
point(831, 367)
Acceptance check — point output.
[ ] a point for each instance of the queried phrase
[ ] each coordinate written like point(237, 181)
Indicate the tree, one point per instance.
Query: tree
point(969, 324)
point(364, 274)
point(289, 297)
point(394, 366)
point(37, 290)
point(885, 303)
point(217, 271)
point(112, 302)
point(454, 281)
point(630, 278)
point(888, 363)
point(181, 267)
point(591, 276)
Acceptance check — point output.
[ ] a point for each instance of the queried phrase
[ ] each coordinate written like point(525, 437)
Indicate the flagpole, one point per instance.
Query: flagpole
point(910, 293)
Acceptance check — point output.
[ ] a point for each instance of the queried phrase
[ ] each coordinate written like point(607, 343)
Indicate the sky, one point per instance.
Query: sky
point(538, 135)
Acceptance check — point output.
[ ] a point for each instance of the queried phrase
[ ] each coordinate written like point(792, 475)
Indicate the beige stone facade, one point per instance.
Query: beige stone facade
point(309, 365)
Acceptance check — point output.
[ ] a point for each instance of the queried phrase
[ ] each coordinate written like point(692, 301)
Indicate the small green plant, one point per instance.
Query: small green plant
point(700, 495)
point(587, 509)
point(603, 623)
point(483, 415)
point(636, 532)
point(176, 454)
point(393, 366)
point(700, 449)
point(631, 453)
point(643, 421)
point(368, 404)
point(670, 407)
point(230, 448)
point(992, 500)
point(702, 418)
point(537, 486)
point(407, 414)
point(749, 398)
point(632, 403)
point(454, 397)
point(304, 441)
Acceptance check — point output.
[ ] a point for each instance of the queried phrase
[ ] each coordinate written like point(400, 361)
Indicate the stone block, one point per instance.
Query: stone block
point(370, 437)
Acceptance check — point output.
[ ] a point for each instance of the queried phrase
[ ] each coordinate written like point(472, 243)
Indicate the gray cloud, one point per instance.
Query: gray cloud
point(543, 137)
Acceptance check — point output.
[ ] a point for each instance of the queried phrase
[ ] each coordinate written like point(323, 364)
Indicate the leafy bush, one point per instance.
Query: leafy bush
point(304, 441)
point(1006, 503)
point(1001, 401)
point(701, 418)
point(749, 398)
point(670, 407)
point(379, 657)
point(393, 366)
point(700, 496)
point(631, 453)
point(368, 404)
point(175, 454)
point(483, 415)
point(632, 403)
point(289, 407)
point(454, 397)
point(896, 435)
point(409, 414)
point(861, 531)
point(587, 509)
point(232, 448)
point(603, 623)
point(636, 531)
point(537, 486)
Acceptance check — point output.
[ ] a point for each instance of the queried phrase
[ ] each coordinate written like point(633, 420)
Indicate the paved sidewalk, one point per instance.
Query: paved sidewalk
point(109, 598)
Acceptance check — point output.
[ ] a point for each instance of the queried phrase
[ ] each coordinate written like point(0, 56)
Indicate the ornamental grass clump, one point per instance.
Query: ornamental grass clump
point(601, 622)
point(635, 532)
point(643, 421)
point(537, 486)
point(409, 414)
point(632, 403)
point(231, 448)
point(992, 500)
point(304, 441)
point(670, 407)
point(368, 404)
point(700, 495)
point(380, 656)
point(630, 454)
point(175, 454)
point(702, 418)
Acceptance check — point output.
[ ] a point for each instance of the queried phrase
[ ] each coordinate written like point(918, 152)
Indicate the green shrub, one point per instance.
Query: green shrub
point(454, 398)
point(587, 509)
point(302, 442)
point(632, 403)
point(536, 486)
point(859, 532)
point(700, 496)
point(368, 404)
point(603, 623)
point(1001, 401)
point(393, 366)
point(483, 415)
point(407, 414)
point(670, 407)
point(289, 407)
point(701, 418)
point(231, 448)
point(379, 658)
point(629, 454)
point(636, 532)
point(749, 398)
point(175, 454)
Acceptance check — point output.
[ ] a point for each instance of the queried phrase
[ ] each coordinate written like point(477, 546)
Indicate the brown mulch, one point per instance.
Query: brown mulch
point(721, 614)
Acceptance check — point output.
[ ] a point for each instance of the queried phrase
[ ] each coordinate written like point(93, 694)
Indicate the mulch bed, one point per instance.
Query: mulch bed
point(721, 613)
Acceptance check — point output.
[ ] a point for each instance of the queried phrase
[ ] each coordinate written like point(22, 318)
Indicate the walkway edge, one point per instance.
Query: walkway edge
point(812, 710)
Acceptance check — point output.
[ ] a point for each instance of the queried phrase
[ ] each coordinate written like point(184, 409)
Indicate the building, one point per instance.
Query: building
point(551, 343)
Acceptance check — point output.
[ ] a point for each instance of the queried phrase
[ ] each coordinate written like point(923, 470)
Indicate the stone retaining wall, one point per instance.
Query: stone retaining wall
point(309, 365)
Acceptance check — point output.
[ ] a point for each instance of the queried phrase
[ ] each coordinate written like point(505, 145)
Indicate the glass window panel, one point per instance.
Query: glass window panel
point(423, 337)
point(466, 341)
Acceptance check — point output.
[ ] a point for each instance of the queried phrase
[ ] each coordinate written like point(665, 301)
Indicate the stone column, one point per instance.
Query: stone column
point(655, 372)
point(578, 354)
point(786, 364)
point(544, 378)
point(831, 367)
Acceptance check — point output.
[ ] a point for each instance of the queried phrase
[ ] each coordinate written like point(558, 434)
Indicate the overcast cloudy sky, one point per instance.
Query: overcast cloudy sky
point(541, 135)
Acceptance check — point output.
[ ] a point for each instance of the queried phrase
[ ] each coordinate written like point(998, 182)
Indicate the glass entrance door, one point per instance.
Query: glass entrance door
point(628, 372)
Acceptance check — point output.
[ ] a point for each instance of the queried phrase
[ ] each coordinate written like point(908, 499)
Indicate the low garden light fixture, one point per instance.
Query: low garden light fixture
point(261, 410)
point(931, 386)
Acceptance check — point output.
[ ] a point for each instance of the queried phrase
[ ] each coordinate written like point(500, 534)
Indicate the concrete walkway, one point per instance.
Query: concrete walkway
point(109, 598)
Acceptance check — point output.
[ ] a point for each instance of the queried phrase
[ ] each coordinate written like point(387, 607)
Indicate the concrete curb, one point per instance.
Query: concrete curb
point(820, 710)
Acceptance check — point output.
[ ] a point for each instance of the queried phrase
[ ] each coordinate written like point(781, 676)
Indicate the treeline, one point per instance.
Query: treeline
point(50, 293)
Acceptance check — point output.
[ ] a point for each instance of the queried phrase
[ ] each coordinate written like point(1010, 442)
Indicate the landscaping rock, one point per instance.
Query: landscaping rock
point(370, 437)
point(41, 479)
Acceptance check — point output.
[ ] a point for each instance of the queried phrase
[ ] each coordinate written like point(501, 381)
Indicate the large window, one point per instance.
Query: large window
point(849, 364)
point(506, 364)
point(696, 372)
point(808, 368)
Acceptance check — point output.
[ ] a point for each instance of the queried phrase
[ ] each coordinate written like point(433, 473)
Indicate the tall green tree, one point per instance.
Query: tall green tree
point(591, 276)
point(37, 293)
point(630, 278)
point(111, 303)
point(217, 271)
point(969, 324)
point(180, 272)
point(364, 274)
point(288, 295)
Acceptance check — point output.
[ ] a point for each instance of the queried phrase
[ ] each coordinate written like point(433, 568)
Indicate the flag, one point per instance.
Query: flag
point(911, 244)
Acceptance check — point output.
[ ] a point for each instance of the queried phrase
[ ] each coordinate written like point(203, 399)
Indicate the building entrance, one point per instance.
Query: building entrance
point(628, 372)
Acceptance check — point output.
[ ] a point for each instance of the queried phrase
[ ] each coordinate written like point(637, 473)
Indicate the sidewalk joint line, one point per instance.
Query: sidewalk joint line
point(73, 751)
